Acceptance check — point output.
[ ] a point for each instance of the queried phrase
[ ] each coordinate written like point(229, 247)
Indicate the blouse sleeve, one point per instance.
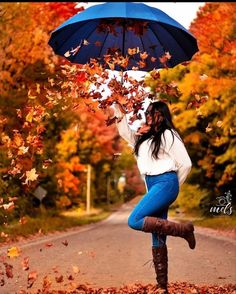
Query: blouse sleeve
point(179, 154)
point(123, 127)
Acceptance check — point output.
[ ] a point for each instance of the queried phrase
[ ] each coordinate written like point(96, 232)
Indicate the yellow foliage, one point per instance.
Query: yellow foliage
point(194, 138)
point(190, 197)
point(13, 252)
point(68, 144)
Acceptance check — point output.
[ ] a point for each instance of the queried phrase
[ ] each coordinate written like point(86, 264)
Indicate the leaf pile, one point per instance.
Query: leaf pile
point(173, 288)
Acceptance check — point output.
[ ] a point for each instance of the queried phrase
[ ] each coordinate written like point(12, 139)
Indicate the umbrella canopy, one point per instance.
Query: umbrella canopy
point(126, 27)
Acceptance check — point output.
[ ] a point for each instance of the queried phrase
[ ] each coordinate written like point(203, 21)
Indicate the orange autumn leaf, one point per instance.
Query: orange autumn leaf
point(59, 279)
point(23, 220)
point(75, 269)
point(31, 175)
point(13, 252)
point(132, 51)
point(98, 43)
point(25, 263)
point(141, 64)
point(32, 277)
point(143, 55)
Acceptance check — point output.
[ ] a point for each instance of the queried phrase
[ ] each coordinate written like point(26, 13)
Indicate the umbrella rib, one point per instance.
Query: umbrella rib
point(102, 46)
point(163, 47)
point(142, 43)
point(176, 41)
point(66, 39)
point(90, 33)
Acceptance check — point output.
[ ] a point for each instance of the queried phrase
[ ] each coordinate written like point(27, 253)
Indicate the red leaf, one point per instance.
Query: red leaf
point(8, 268)
point(59, 279)
point(65, 243)
point(48, 244)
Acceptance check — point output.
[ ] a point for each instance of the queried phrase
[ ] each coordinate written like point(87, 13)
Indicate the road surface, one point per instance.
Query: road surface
point(109, 253)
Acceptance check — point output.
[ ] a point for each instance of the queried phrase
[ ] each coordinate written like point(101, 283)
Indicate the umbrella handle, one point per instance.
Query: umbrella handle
point(122, 77)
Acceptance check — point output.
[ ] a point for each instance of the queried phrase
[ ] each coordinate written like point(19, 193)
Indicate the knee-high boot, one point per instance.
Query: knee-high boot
point(160, 261)
point(163, 226)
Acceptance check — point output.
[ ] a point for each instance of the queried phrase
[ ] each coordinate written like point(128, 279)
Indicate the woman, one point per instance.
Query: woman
point(164, 162)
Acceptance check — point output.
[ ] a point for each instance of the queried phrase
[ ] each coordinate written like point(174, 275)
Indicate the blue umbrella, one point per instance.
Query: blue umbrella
point(106, 28)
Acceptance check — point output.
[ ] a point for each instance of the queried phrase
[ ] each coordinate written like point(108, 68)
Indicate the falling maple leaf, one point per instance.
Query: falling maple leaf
point(143, 55)
point(85, 42)
point(143, 129)
point(132, 51)
point(31, 176)
point(13, 252)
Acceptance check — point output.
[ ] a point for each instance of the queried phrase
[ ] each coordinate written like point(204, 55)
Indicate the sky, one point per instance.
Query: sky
point(182, 12)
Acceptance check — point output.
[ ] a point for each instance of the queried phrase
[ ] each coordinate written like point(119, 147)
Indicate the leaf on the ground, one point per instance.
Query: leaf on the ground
point(4, 235)
point(48, 244)
point(2, 280)
point(75, 269)
point(65, 243)
point(59, 279)
point(55, 269)
point(23, 220)
point(32, 276)
point(8, 206)
point(25, 263)
point(13, 252)
point(46, 284)
point(9, 270)
point(173, 288)
point(92, 254)
point(70, 278)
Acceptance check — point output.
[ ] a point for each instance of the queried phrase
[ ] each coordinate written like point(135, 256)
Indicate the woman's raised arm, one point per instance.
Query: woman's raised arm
point(123, 127)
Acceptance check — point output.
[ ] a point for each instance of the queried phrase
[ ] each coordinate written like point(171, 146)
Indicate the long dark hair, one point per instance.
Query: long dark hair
point(161, 120)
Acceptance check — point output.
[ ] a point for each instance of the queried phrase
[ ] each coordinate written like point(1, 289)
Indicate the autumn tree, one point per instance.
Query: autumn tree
point(49, 133)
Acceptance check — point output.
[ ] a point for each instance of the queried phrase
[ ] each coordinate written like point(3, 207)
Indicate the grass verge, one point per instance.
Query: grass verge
point(222, 222)
point(46, 222)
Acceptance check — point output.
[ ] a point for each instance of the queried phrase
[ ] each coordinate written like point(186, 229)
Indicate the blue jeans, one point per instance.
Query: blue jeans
point(163, 190)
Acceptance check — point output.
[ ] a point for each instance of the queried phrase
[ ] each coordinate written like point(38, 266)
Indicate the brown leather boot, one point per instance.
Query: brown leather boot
point(163, 226)
point(160, 261)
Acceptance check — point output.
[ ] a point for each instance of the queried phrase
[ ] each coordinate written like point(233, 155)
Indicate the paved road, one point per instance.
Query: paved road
point(109, 253)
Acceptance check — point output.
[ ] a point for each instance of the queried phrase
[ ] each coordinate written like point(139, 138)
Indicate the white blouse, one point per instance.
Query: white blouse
point(171, 157)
